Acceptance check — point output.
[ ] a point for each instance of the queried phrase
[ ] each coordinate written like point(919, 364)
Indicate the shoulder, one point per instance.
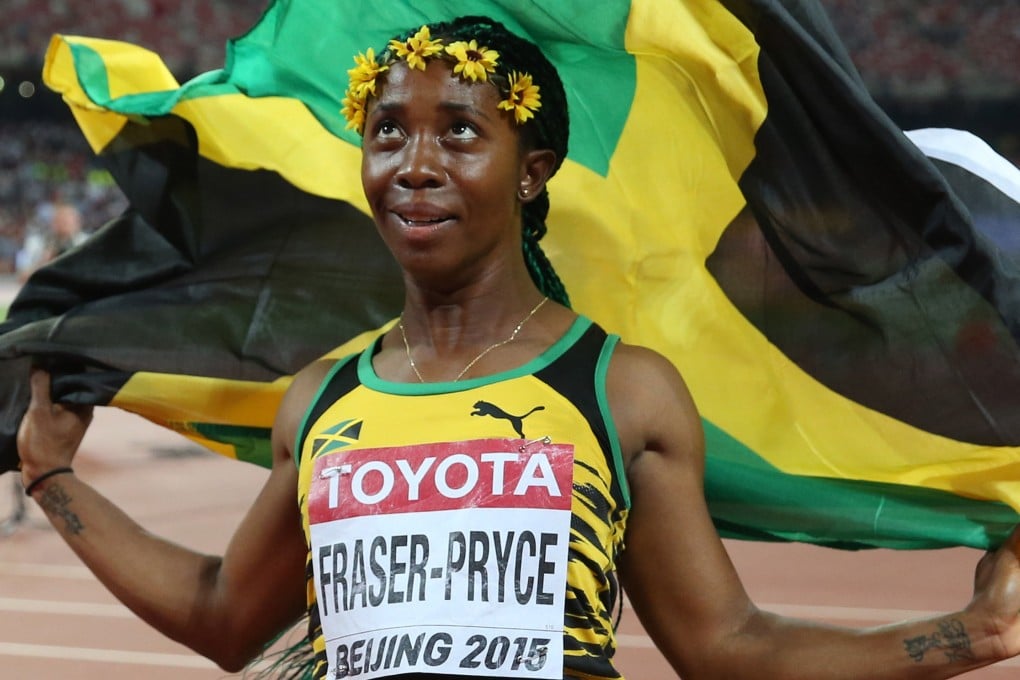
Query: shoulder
point(651, 406)
point(641, 361)
point(641, 373)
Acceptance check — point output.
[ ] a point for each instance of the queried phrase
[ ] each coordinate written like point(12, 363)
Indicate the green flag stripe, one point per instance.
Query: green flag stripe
point(251, 444)
point(742, 489)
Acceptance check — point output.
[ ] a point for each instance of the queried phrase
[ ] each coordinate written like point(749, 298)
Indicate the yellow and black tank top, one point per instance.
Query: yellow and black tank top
point(465, 529)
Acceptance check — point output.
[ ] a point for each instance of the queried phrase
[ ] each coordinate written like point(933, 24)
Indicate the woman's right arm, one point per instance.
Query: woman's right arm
point(225, 608)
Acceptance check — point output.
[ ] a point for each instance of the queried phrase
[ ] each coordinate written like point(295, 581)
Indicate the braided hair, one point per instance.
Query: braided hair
point(549, 129)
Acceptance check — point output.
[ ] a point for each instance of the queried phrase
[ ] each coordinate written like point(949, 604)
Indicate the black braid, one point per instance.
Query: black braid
point(539, 266)
point(549, 129)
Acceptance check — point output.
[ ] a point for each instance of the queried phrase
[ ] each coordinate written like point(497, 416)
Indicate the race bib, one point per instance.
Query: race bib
point(443, 558)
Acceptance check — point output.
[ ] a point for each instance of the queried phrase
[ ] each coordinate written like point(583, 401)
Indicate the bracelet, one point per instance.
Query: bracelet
point(44, 476)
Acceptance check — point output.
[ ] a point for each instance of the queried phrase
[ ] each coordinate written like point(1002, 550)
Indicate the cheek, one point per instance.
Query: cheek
point(371, 179)
point(490, 176)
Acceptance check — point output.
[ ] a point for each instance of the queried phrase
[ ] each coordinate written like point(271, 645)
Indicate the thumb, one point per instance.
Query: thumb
point(39, 381)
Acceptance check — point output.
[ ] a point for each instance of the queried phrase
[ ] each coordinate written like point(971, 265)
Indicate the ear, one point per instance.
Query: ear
point(536, 167)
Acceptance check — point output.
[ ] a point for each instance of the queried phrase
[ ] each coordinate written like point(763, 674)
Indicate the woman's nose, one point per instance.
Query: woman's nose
point(421, 165)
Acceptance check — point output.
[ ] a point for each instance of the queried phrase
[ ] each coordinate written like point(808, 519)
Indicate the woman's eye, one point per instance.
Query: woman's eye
point(463, 130)
point(386, 129)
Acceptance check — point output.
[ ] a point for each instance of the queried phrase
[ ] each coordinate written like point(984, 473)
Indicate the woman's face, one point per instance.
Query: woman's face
point(441, 168)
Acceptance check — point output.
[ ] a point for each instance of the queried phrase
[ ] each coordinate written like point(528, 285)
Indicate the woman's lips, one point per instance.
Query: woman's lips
point(421, 214)
point(421, 221)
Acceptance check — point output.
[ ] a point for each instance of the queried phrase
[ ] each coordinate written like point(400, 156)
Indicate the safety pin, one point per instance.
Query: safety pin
point(541, 440)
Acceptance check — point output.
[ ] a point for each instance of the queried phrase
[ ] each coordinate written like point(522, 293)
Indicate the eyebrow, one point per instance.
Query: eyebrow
point(455, 106)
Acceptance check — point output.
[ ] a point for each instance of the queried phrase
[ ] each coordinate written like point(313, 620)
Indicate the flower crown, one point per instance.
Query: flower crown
point(470, 62)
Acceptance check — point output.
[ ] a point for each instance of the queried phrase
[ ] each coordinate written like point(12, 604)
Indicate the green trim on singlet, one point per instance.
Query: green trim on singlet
point(601, 373)
point(299, 438)
point(368, 377)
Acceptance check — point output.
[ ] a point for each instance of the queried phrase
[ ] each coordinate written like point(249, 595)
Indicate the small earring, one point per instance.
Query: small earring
point(522, 194)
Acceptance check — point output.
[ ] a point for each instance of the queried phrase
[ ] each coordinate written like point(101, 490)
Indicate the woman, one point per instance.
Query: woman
point(468, 488)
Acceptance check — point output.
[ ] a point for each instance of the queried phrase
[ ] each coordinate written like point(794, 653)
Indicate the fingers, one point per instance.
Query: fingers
point(1010, 546)
point(49, 434)
point(39, 381)
point(1012, 543)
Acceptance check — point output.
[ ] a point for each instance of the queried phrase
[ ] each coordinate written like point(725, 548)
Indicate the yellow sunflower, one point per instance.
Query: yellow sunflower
point(523, 98)
point(473, 62)
point(362, 76)
point(354, 111)
point(419, 47)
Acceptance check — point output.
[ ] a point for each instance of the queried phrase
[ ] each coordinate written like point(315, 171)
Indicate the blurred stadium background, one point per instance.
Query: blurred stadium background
point(953, 63)
point(944, 63)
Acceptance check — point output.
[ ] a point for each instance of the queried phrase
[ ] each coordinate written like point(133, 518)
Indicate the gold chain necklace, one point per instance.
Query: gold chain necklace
point(495, 345)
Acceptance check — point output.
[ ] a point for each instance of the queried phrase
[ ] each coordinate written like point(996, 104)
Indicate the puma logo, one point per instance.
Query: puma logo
point(484, 408)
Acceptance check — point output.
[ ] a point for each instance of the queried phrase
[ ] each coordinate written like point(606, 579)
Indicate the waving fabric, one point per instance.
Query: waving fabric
point(841, 300)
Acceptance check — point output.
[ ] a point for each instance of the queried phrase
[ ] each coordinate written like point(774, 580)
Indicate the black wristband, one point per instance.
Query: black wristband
point(44, 476)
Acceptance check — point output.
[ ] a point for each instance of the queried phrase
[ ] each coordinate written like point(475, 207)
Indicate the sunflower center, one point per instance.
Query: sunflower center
point(473, 55)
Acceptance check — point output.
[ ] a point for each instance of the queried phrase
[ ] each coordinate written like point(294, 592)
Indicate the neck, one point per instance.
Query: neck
point(447, 338)
point(452, 327)
point(471, 315)
point(480, 355)
point(463, 331)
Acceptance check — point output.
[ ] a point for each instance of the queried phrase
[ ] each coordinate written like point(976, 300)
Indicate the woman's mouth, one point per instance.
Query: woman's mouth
point(421, 215)
point(421, 221)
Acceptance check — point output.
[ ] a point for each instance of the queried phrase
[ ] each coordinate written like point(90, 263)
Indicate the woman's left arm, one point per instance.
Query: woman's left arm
point(687, 594)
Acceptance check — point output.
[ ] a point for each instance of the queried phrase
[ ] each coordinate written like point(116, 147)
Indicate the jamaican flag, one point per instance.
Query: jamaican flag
point(843, 306)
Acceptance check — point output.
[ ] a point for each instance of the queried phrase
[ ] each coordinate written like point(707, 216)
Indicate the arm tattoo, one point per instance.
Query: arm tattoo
point(56, 502)
point(951, 638)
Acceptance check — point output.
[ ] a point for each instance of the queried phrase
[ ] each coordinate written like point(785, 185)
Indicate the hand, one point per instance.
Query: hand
point(997, 594)
point(50, 433)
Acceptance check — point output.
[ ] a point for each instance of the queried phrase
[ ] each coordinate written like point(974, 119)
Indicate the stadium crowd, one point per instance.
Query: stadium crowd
point(188, 34)
point(918, 50)
point(924, 49)
point(42, 165)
